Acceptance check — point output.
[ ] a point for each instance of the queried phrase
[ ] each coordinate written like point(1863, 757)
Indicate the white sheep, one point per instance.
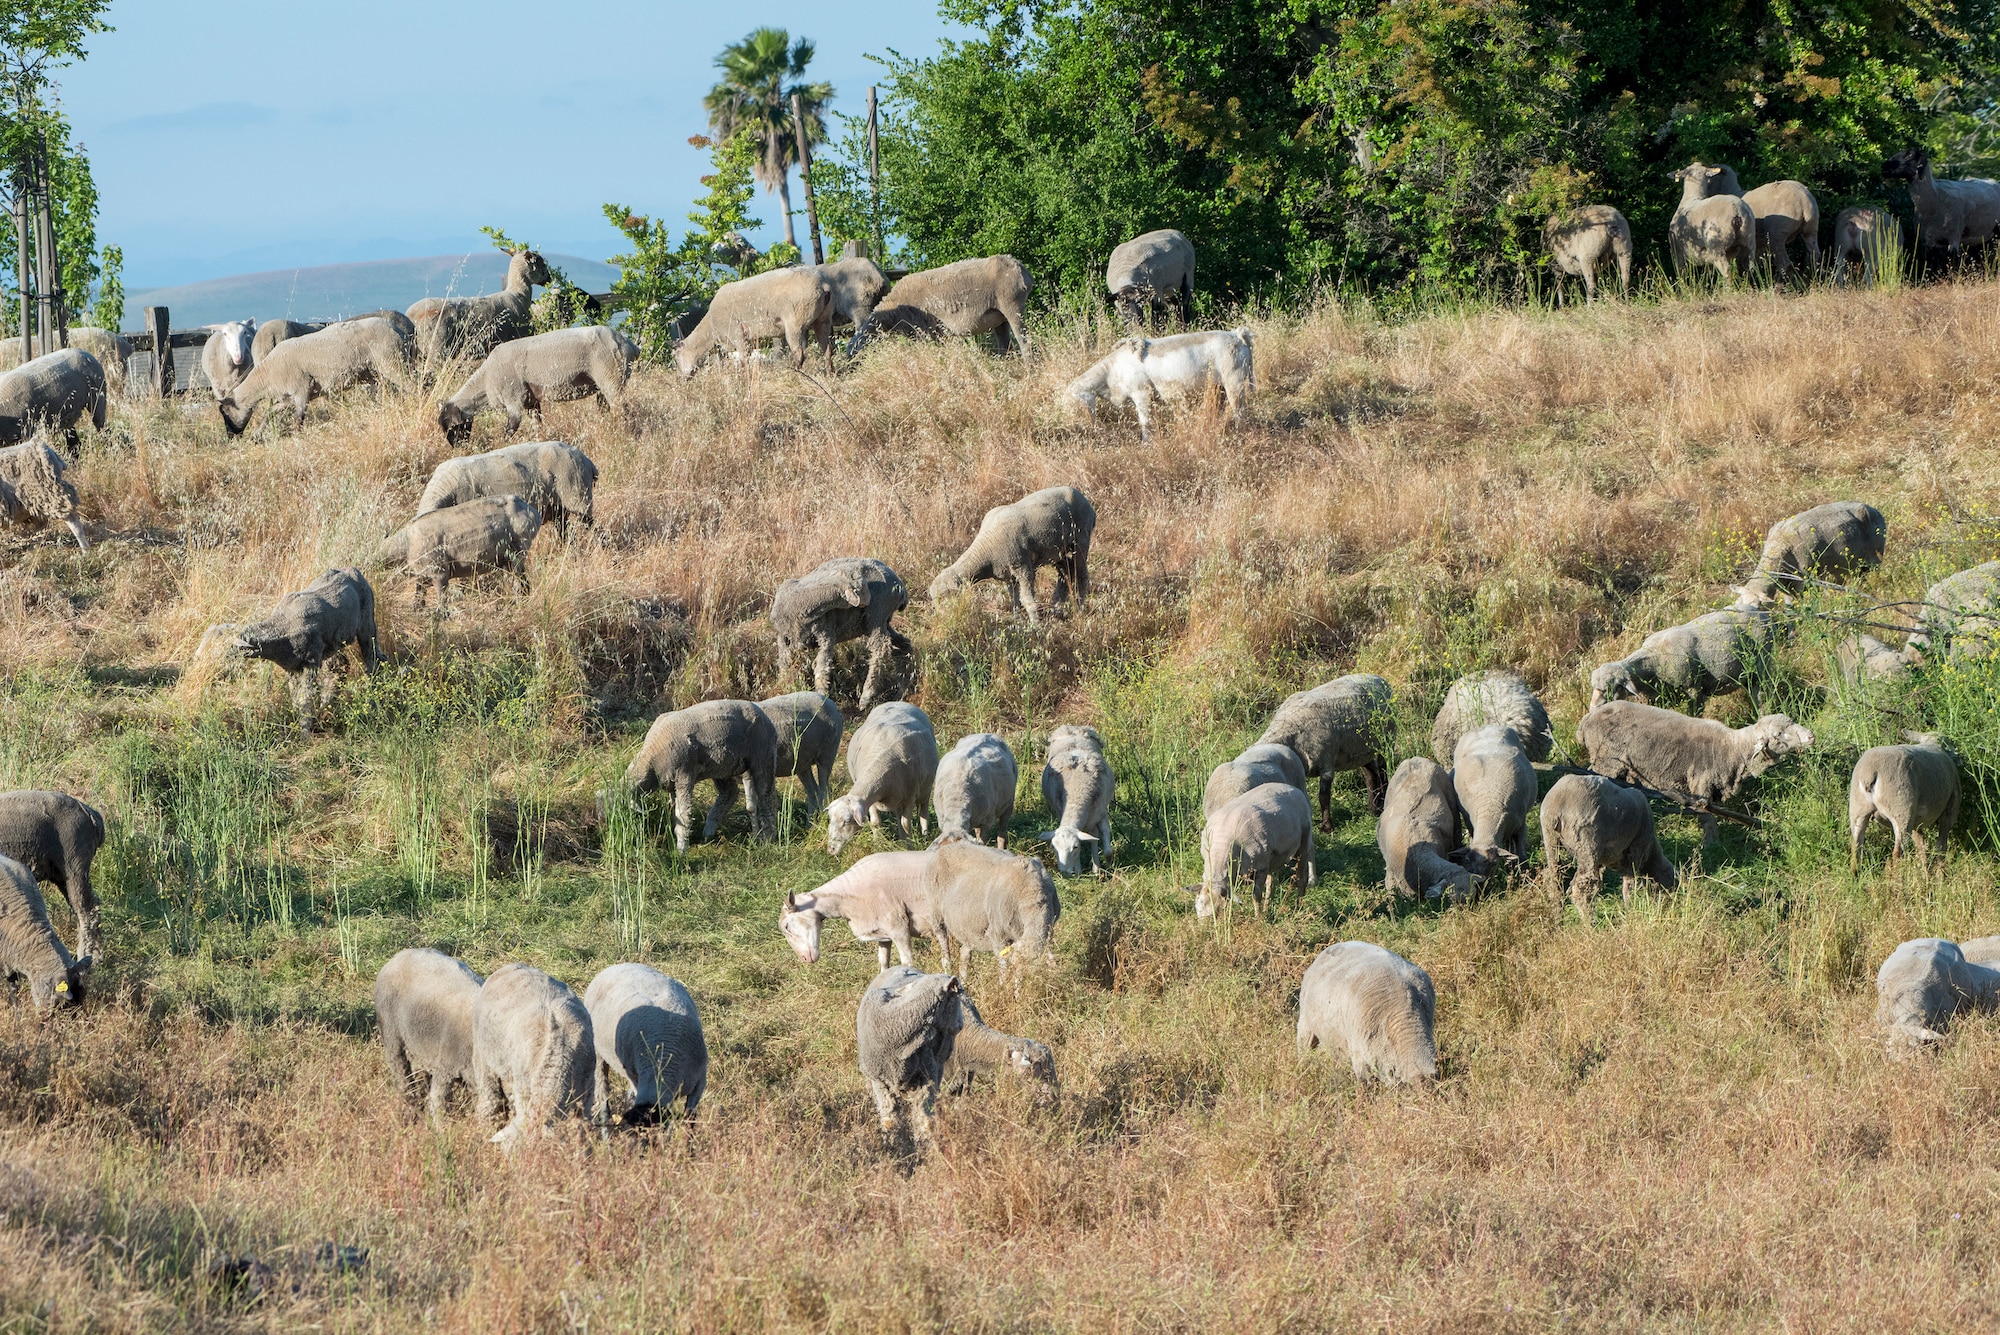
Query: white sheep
point(808, 725)
point(1830, 541)
point(978, 1050)
point(1961, 614)
point(488, 534)
point(424, 1001)
point(1338, 725)
point(1252, 837)
point(304, 368)
point(647, 1031)
point(533, 1054)
point(35, 492)
point(30, 950)
point(1373, 1005)
point(1050, 527)
point(725, 742)
point(1584, 238)
point(1907, 787)
point(558, 479)
point(1926, 983)
point(1867, 238)
point(1078, 785)
point(53, 392)
point(226, 358)
point(527, 373)
point(846, 598)
point(1715, 654)
point(1175, 368)
point(1785, 212)
point(974, 789)
point(1496, 789)
point(858, 288)
point(1718, 231)
point(1604, 826)
point(1690, 759)
point(795, 305)
point(1496, 696)
point(1418, 834)
point(1861, 658)
point(993, 900)
point(1256, 766)
point(891, 764)
point(903, 1029)
point(883, 899)
point(1152, 272)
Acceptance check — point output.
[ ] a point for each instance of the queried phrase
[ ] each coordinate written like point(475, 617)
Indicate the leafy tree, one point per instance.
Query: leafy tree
point(562, 304)
point(754, 98)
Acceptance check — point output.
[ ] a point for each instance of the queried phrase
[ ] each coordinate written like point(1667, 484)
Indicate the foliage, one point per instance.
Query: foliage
point(107, 311)
point(563, 303)
point(849, 208)
point(754, 98)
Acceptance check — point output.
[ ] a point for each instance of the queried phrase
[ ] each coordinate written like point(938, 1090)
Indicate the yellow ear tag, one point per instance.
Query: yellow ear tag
point(1002, 952)
point(62, 987)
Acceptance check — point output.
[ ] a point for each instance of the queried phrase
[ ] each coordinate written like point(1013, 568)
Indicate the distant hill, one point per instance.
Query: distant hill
point(329, 291)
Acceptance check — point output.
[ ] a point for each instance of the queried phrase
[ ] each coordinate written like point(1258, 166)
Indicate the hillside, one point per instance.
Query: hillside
point(1674, 1116)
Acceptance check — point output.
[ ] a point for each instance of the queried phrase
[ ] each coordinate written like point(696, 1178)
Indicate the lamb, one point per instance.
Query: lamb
point(424, 1001)
point(1375, 1004)
point(1257, 766)
point(903, 1028)
point(796, 305)
point(30, 950)
point(1950, 214)
point(558, 479)
point(647, 1031)
point(1926, 983)
point(1785, 211)
point(884, 899)
point(34, 492)
point(847, 598)
point(1252, 836)
point(978, 1051)
point(1581, 241)
point(491, 533)
point(1719, 231)
point(1338, 725)
point(1867, 238)
point(1177, 367)
point(1833, 540)
point(533, 1052)
point(1078, 785)
point(309, 628)
point(723, 741)
point(273, 332)
point(891, 764)
point(53, 392)
point(1496, 789)
point(1963, 612)
point(1712, 655)
point(1862, 658)
point(1418, 834)
point(1604, 826)
point(1050, 527)
point(226, 357)
point(56, 838)
point(974, 789)
point(1497, 696)
point(858, 288)
point(301, 369)
point(965, 299)
point(526, 373)
point(1908, 787)
point(1689, 759)
point(1149, 273)
point(987, 899)
point(447, 326)
point(808, 725)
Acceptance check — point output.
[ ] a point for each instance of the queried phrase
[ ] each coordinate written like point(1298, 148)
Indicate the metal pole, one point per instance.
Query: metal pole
point(806, 175)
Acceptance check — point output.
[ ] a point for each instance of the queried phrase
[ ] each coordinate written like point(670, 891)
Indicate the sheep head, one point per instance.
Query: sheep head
point(61, 988)
point(948, 582)
point(535, 267)
point(1613, 681)
point(845, 817)
point(456, 424)
point(1068, 844)
point(1774, 737)
point(1033, 1062)
point(1908, 165)
point(235, 416)
point(800, 920)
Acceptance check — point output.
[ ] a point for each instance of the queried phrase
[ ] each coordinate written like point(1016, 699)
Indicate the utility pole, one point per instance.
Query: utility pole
point(806, 175)
point(874, 174)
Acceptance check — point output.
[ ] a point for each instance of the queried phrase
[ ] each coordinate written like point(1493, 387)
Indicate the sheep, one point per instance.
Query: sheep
point(1078, 785)
point(847, 598)
point(1950, 214)
point(1050, 527)
point(808, 725)
point(301, 369)
point(56, 838)
point(1604, 826)
point(858, 288)
point(1150, 272)
point(1785, 212)
point(977, 1050)
point(974, 789)
point(1865, 237)
point(491, 533)
point(988, 899)
point(967, 298)
point(891, 764)
point(273, 332)
point(533, 1052)
point(1376, 1005)
point(1712, 655)
point(111, 350)
point(1862, 657)
point(53, 392)
point(1719, 231)
point(1496, 788)
point(646, 1030)
point(1497, 696)
point(1418, 834)
point(903, 1028)
point(796, 305)
point(1257, 766)
point(1175, 368)
point(1926, 983)
point(526, 373)
point(424, 1001)
point(1908, 787)
point(1833, 540)
point(558, 479)
point(447, 326)
point(1690, 759)
point(226, 357)
point(884, 899)
point(1581, 241)
point(1252, 836)
point(1962, 611)
point(1338, 725)
point(34, 492)
point(30, 950)
point(724, 741)
point(308, 628)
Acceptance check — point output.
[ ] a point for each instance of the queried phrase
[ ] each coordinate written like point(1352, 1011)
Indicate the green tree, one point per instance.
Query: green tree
point(760, 74)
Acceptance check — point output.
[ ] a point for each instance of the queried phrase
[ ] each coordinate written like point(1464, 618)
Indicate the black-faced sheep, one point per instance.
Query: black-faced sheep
point(448, 326)
point(56, 838)
point(795, 305)
point(1251, 838)
point(725, 742)
point(964, 299)
point(1374, 1006)
point(358, 352)
point(526, 373)
point(491, 533)
point(1483, 698)
point(1604, 826)
point(1151, 273)
point(1830, 541)
point(30, 950)
point(903, 1030)
point(424, 1000)
point(809, 726)
point(53, 392)
point(1951, 215)
point(891, 765)
point(1926, 983)
point(648, 1032)
point(308, 628)
point(974, 789)
point(1581, 240)
point(35, 493)
point(1418, 834)
point(1687, 758)
point(534, 1054)
point(558, 479)
point(1078, 785)
point(1050, 527)
point(847, 598)
point(1907, 787)
point(1338, 725)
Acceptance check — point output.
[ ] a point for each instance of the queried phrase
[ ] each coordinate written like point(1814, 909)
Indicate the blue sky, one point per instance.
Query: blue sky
point(229, 137)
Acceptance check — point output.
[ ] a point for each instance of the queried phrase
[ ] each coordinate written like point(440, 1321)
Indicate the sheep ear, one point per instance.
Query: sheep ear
point(1045, 836)
point(84, 965)
point(791, 901)
point(1087, 838)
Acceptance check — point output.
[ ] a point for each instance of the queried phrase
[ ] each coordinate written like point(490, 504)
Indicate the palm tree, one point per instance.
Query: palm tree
point(754, 97)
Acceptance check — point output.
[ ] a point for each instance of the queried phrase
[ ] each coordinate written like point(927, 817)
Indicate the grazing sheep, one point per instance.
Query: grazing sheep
point(1865, 658)
point(1832, 540)
point(526, 373)
point(53, 393)
point(308, 628)
point(29, 947)
point(491, 533)
point(724, 741)
point(977, 1050)
point(273, 332)
point(1151, 273)
point(1050, 527)
point(847, 598)
point(1715, 230)
point(1498, 696)
point(884, 899)
point(34, 492)
point(1377, 1006)
point(558, 479)
point(808, 725)
point(1926, 983)
point(903, 1029)
point(1712, 655)
point(1687, 758)
point(974, 789)
point(1582, 240)
point(1908, 787)
point(796, 305)
point(1867, 238)
point(1963, 611)
point(891, 765)
point(1174, 368)
point(1418, 834)
point(858, 288)
point(1605, 826)
point(448, 326)
point(1078, 785)
point(56, 838)
point(226, 357)
point(964, 299)
point(1338, 725)
point(1257, 766)
point(1950, 214)
point(647, 1030)
point(987, 899)
point(1785, 212)
point(111, 350)
point(301, 369)
point(533, 1052)
point(1251, 837)
point(424, 1001)
point(1496, 789)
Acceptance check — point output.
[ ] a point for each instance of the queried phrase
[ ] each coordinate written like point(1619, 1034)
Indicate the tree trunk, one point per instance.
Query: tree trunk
point(785, 203)
point(25, 279)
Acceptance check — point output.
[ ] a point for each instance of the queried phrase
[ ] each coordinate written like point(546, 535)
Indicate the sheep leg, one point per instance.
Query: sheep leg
point(882, 956)
point(1024, 595)
point(1590, 283)
point(878, 658)
point(1854, 833)
point(1583, 890)
point(1923, 851)
point(885, 1106)
point(823, 666)
point(1145, 420)
point(1710, 830)
point(725, 798)
point(305, 690)
point(440, 1093)
point(683, 812)
point(920, 1103)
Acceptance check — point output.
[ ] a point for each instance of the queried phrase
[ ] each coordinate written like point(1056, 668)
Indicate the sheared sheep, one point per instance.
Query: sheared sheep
point(1962, 611)
point(1785, 212)
point(360, 352)
point(884, 899)
point(273, 332)
point(964, 299)
point(1150, 273)
point(1418, 834)
point(724, 741)
point(891, 764)
point(491, 533)
point(533, 1052)
point(1174, 368)
point(1604, 826)
point(1833, 540)
point(1251, 837)
point(111, 350)
point(53, 392)
point(34, 492)
point(1712, 655)
point(526, 373)
point(56, 838)
point(988, 899)
point(974, 789)
point(977, 1051)
point(1497, 696)
point(647, 1030)
point(310, 627)
point(1078, 785)
point(1496, 789)
point(558, 479)
point(1376, 1006)
point(903, 1029)
point(858, 288)
point(1338, 725)
point(1864, 238)
point(1693, 758)
point(424, 1001)
point(1907, 787)
point(1864, 658)
point(796, 305)
point(1926, 983)
point(1050, 527)
point(847, 598)
point(1718, 231)
point(808, 725)
point(226, 357)
point(1257, 766)
point(448, 326)
point(1581, 240)
point(30, 950)
point(1950, 214)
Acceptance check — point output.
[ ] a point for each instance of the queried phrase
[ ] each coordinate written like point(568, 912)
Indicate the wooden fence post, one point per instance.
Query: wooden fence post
point(163, 350)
